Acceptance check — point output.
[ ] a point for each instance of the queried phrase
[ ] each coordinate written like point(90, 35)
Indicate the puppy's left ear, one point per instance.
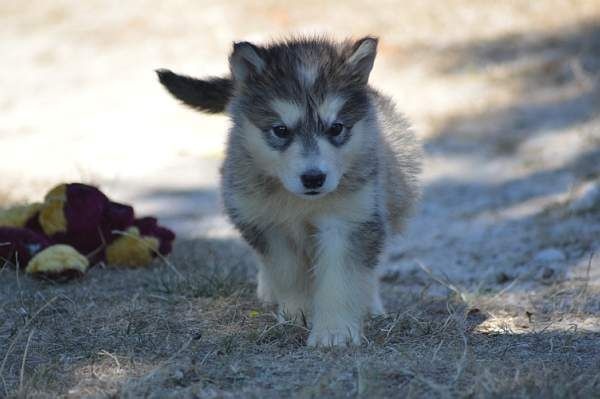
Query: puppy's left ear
point(362, 58)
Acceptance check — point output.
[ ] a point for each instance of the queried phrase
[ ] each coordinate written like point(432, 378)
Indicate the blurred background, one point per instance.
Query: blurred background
point(482, 81)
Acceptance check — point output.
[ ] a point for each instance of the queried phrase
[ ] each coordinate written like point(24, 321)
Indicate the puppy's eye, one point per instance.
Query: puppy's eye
point(335, 129)
point(281, 131)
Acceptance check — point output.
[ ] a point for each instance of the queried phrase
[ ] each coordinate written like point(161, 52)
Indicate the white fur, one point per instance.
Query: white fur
point(284, 272)
point(289, 112)
point(330, 288)
point(307, 74)
point(285, 208)
point(343, 288)
point(329, 109)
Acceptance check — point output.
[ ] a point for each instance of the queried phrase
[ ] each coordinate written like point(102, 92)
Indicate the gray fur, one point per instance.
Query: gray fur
point(367, 241)
point(209, 95)
point(251, 233)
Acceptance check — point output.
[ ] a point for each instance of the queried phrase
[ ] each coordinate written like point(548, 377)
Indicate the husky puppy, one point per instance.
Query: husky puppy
point(319, 171)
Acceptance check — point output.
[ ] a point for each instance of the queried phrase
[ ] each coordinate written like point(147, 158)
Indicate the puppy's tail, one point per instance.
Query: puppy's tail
point(208, 95)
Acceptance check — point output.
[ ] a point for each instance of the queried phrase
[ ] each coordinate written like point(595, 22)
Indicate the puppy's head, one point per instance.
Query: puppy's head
point(302, 109)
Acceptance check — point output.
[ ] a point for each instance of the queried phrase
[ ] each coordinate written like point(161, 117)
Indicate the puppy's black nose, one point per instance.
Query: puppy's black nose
point(313, 179)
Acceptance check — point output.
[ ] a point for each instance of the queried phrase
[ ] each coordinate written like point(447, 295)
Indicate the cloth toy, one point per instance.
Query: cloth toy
point(77, 225)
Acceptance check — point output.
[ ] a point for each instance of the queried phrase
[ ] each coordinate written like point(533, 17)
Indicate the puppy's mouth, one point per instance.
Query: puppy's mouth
point(313, 194)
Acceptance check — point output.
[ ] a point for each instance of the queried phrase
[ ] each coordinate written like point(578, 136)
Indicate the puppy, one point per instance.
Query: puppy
point(320, 170)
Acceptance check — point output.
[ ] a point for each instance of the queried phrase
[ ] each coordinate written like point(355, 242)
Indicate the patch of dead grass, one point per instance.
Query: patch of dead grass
point(119, 332)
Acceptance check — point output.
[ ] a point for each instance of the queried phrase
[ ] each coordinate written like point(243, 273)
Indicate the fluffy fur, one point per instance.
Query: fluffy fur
point(304, 107)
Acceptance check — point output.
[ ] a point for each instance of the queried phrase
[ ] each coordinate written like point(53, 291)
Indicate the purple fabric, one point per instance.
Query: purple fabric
point(117, 216)
point(84, 210)
point(34, 224)
point(23, 244)
point(148, 226)
point(84, 207)
point(88, 243)
point(91, 220)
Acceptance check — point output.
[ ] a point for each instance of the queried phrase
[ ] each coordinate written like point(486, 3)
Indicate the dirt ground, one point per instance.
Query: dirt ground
point(493, 291)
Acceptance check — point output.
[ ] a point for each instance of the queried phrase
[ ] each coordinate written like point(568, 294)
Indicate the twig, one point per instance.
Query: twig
point(113, 357)
point(281, 323)
point(5, 386)
point(21, 377)
point(100, 247)
point(587, 276)
point(460, 368)
point(446, 284)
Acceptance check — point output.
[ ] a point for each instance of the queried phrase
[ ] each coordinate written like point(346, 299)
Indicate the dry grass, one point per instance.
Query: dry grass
point(133, 333)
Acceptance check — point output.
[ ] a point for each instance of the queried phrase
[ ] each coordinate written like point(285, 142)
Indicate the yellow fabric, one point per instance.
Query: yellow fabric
point(57, 259)
point(132, 249)
point(52, 216)
point(17, 216)
point(58, 193)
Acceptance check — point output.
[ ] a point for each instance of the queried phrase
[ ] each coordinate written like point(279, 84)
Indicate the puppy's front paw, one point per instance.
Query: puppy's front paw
point(338, 337)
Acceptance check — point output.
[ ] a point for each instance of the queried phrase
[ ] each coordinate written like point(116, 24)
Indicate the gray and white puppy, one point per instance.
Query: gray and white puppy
point(320, 170)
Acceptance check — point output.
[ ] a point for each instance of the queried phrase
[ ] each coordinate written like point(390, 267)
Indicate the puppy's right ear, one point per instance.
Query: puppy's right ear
point(245, 60)
point(363, 57)
point(208, 95)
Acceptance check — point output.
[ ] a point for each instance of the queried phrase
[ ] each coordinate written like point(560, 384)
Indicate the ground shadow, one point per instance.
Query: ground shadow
point(558, 80)
point(581, 41)
point(484, 221)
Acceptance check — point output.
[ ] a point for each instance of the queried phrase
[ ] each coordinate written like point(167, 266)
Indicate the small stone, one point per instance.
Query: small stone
point(550, 255)
point(391, 275)
point(473, 311)
point(502, 278)
point(475, 317)
point(178, 375)
point(547, 272)
point(529, 316)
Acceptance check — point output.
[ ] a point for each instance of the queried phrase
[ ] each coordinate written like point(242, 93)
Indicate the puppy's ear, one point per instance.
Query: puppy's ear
point(362, 58)
point(208, 95)
point(245, 60)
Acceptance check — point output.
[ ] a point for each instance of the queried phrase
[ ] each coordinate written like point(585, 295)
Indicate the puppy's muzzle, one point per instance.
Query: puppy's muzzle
point(313, 179)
